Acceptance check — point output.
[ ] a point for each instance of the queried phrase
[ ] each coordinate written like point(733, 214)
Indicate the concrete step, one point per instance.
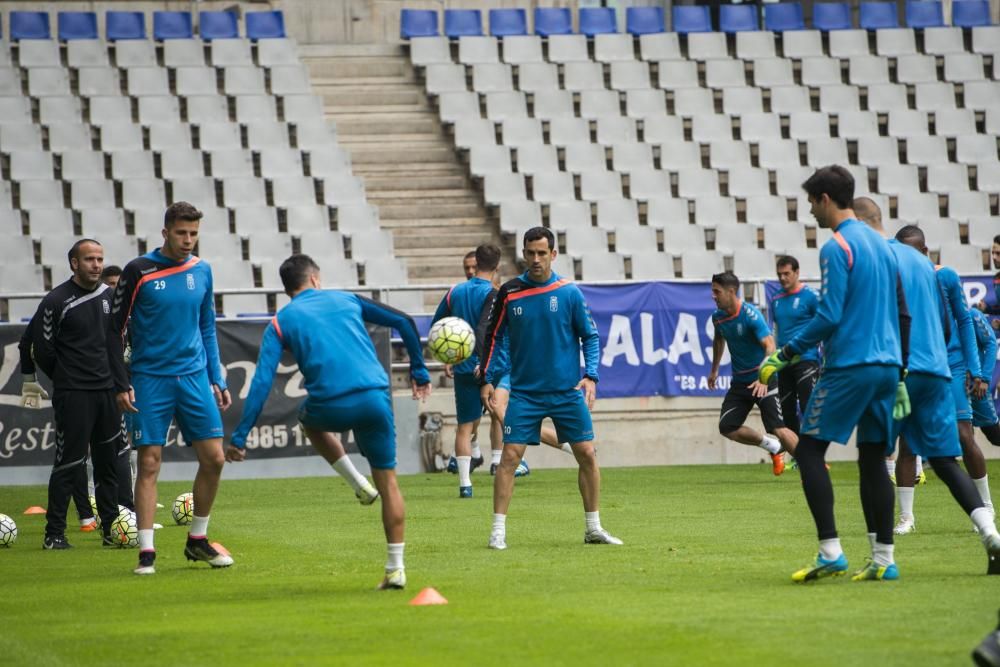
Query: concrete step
point(446, 270)
point(418, 182)
point(437, 237)
point(349, 125)
point(459, 223)
point(389, 153)
point(418, 140)
point(343, 51)
point(333, 109)
point(455, 253)
point(405, 169)
point(440, 206)
point(353, 68)
point(438, 196)
point(351, 97)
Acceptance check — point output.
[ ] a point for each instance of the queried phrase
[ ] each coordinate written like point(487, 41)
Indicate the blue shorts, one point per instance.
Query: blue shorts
point(984, 411)
point(960, 394)
point(860, 396)
point(931, 430)
point(367, 413)
point(468, 406)
point(522, 425)
point(186, 398)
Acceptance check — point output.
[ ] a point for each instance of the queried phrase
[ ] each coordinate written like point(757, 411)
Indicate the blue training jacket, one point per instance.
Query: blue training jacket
point(743, 333)
point(467, 301)
point(168, 310)
point(546, 324)
point(962, 353)
point(924, 300)
point(325, 332)
point(858, 318)
point(986, 340)
point(791, 312)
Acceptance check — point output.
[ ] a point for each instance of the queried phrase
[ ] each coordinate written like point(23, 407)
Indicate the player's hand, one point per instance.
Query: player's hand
point(449, 371)
point(713, 376)
point(420, 391)
point(235, 454)
point(32, 393)
point(773, 363)
point(486, 395)
point(979, 388)
point(222, 397)
point(901, 406)
point(981, 305)
point(758, 389)
point(589, 388)
point(126, 401)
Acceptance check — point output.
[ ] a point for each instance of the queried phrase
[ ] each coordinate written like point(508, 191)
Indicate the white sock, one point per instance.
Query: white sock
point(830, 549)
point(199, 526)
point(346, 469)
point(566, 448)
point(982, 519)
point(476, 452)
point(905, 495)
point(394, 556)
point(882, 554)
point(983, 486)
point(87, 522)
point(920, 466)
point(770, 443)
point(495, 456)
point(890, 466)
point(500, 523)
point(464, 463)
point(871, 541)
point(593, 520)
point(146, 539)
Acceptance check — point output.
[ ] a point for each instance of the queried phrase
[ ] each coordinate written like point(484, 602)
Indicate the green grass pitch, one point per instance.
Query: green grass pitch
point(703, 579)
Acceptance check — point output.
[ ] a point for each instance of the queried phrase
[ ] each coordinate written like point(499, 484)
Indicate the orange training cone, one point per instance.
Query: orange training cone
point(221, 549)
point(428, 596)
point(35, 509)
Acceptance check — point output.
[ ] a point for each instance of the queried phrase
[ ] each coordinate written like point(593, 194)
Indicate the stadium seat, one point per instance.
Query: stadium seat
point(650, 265)
point(623, 218)
point(631, 75)
point(597, 20)
point(489, 77)
point(965, 205)
point(15, 110)
point(691, 18)
point(418, 23)
point(753, 261)
point(462, 23)
point(124, 25)
point(172, 25)
point(568, 48)
point(218, 25)
point(305, 220)
point(970, 13)
point(846, 43)
point(736, 18)
point(644, 20)
point(857, 124)
point(924, 13)
point(614, 47)
point(679, 156)
point(56, 110)
point(134, 164)
point(648, 184)
point(701, 264)
point(707, 46)
point(504, 22)
point(266, 25)
point(715, 212)
point(867, 70)
point(755, 45)
point(829, 16)
point(538, 78)
point(916, 69)
point(878, 15)
point(520, 50)
point(532, 159)
point(553, 187)
point(772, 72)
point(783, 16)
point(963, 258)
point(135, 53)
point(938, 96)
point(982, 95)
point(645, 103)
point(660, 46)
point(944, 40)
point(678, 74)
point(473, 49)
point(22, 137)
point(77, 25)
point(801, 44)
point(502, 106)
point(963, 67)
point(553, 21)
point(276, 51)
point(85, 54)
point(231, 51)
point(29, 25)
point(226, 163)
point(165, 137)
point(725, 73)
point(38, 53)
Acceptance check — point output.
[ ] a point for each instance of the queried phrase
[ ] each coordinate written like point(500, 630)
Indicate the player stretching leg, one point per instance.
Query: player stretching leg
point(165, 304)
point(864, 327)
point(742, 327)
point(984, 410)
point(347, 388)
point(545, 317)
point(791, 310)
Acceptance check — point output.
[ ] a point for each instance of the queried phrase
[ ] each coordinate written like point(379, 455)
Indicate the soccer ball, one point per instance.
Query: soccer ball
point(183, 510)
point(8, 531)
point(124, 530)
point(451, 340)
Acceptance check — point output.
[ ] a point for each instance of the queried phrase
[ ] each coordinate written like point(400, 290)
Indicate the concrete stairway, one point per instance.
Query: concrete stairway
point(410, 167)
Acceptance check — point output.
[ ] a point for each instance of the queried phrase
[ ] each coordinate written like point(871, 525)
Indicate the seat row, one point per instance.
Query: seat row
point(128, 25)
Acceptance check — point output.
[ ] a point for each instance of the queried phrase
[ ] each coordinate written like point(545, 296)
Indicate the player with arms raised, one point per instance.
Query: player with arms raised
point(545, 319)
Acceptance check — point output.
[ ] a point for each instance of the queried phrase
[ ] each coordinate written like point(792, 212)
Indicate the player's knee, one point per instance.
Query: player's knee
point(585, 454)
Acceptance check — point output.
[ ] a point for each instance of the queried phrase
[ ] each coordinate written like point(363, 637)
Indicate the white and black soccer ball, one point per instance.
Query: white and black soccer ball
point(451, 340)
point(183, 510)
point(8, 531)
point(124, 530)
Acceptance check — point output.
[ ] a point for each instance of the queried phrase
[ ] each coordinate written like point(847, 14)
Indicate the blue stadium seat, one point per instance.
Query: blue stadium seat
point(597, 21)
point(218, 25)
point(644, 20)
point(553, 21)
point(738, 18)
point(505, 22)
point(418, 23)
point(692, 18)
point(829, 16)
point(172, 25)
point(462, 22)
point(924, 14)
point(77, 25)
point(29, 25)
point(784, 16)
point(265, 25)
point(970, 13)
point(878, 15)
point(124, 25)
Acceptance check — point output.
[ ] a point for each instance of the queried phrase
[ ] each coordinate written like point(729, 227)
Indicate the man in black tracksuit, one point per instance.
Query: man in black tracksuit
point(69, 337)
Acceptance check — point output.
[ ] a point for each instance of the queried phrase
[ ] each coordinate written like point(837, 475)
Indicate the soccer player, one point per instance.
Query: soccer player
point(111, 274)
point(982, 305)
point(69, 340)
point(347, 388)
point(164, 304)
point(469, 265)
point(984, 410)
point(791, 310)
point(863, 325)
point(545, 318)
point(742, 327)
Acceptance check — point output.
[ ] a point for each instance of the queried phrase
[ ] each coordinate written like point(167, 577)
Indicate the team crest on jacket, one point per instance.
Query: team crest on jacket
point(795, 303)
point(739, 328)
point(190, 281)
point(554, 304)
point(107, 307)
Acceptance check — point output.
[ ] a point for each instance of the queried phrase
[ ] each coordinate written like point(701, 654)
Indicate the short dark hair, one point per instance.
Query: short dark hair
point(110, 271)
point(787, 260)
point(469, 255)
point(487, 257)
point(295, 271)
point(834, 181)
point(911, 235)
point(726, 279)
point(996, 239)
point(536, 233)
point(183, 211)
point(75, 250)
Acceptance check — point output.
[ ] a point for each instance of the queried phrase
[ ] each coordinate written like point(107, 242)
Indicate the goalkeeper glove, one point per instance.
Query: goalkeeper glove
point(774, 362)
point(901, 406)
point(32, 393)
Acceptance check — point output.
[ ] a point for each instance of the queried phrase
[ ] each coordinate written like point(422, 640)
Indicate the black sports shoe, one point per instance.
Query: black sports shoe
point(475, 463)
point(56, 542)
point(199, 549)
point(987, 654)
point(108, 541)
point(146, 560)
